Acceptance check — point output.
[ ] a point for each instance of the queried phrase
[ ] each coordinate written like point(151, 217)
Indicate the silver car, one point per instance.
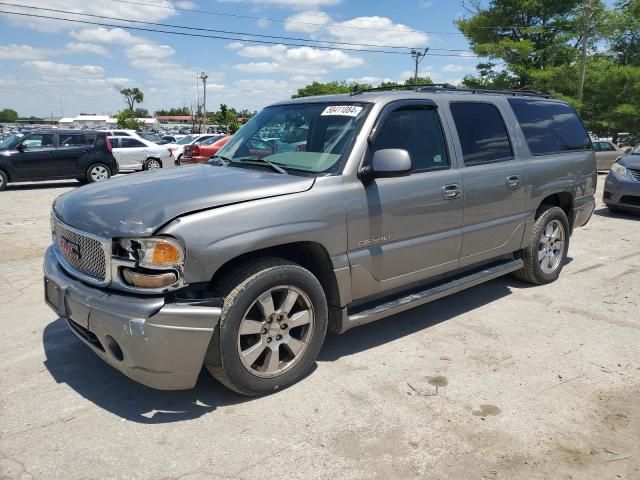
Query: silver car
point(241, 264)
point(622, 185)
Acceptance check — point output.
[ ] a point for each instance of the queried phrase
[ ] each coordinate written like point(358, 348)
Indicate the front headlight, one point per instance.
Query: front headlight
point(619, 170)
point(158, 261)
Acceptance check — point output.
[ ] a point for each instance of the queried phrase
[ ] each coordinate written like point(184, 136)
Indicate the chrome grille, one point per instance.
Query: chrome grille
point(635, 174)
point(81, 252)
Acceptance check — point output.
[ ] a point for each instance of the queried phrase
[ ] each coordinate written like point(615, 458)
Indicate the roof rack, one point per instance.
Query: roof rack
point(451, 88)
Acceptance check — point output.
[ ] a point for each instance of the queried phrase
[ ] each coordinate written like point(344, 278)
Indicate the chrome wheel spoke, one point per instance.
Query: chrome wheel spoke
point(250, 327)
point(251, 354)
point(272, 361)
point(300, 318)
point(559, 246)
point(289, 301)
point(265, 303)
point(294, 345)
point(541, 254)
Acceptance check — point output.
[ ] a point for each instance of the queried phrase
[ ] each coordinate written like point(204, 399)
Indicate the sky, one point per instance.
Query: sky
point(49, 67)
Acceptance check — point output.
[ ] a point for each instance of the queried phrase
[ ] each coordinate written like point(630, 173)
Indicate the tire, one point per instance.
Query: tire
point(245, 362)
point(97, 172)
point(152, 164)
point(614, 209)
point(544, 258)
point(179, 160)
point(4, 179)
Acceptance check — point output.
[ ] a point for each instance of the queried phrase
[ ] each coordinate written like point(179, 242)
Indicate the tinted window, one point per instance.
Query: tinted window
point(39, 140)
point(73, 140)
point(130, 143)
point(482, 133)
point(550, 127)
point(418, 131)
point(121, 134)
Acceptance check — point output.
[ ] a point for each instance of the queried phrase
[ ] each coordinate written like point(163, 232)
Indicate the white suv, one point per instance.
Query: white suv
point(134, 153)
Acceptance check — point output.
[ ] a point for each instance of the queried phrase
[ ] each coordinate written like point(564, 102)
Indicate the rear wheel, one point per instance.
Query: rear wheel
point(98, 172)
point(152, 164)
point(273, 324)
point(546, 252)
point(3, 180)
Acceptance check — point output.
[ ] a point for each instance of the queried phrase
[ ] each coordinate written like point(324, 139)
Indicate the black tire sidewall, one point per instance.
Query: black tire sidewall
point(229, 325)
point(5, 180)
point(554, 213)
point(88, 178)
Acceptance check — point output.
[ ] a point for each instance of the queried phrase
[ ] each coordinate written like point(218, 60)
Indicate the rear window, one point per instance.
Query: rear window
point(550, 127)
point(482, 133)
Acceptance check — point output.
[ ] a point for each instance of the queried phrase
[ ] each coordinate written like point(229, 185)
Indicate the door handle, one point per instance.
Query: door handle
point(513, 182)
point(451, 192)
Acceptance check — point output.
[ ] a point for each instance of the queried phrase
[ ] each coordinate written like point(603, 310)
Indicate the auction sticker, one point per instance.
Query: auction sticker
point(343, 110)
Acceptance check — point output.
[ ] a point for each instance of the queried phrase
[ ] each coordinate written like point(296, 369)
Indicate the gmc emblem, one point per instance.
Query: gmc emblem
point(69, 249)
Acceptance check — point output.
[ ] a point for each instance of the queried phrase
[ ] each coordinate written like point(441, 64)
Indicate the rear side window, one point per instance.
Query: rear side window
point(130, 143)
point(550, 127)
point(418, 131)
point(73, 140)
point(482, 132)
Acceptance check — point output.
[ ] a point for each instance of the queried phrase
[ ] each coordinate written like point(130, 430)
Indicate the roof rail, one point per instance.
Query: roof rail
point(448, 87)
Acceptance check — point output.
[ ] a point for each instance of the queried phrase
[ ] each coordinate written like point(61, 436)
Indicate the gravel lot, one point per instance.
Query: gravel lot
point(503, 381)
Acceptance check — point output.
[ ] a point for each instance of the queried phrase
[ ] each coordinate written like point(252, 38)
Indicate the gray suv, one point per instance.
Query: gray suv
point(392, 199)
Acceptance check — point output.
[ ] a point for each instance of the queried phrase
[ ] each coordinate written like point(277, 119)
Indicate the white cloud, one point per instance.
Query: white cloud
point(47, 67)
point(450, 67)
point(84, 47)
point(365, 30)
point(106, 35)
point(263, 22)
point(187, 4)
point(298, 4)
point(150, 50)
point(23, 52)
point(299, 60)
point(425, 3)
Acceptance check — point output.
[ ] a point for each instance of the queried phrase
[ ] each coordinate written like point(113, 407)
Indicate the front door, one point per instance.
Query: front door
point(493, 183)
point(71, 153)
point(35, 160)
point(406, 229)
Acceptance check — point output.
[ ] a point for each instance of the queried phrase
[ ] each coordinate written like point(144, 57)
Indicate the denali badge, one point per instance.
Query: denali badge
point(68, 248)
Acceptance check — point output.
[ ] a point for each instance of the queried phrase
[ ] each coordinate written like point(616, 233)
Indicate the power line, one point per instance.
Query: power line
point(241, 38)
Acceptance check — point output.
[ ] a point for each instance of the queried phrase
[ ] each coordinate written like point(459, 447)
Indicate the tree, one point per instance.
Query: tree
point(141, 113)
point(132, 96)
point(335, 87)
point(418, 81)
point(624, 32)
point(174, 111)
point(127, 120)
point(8, 115)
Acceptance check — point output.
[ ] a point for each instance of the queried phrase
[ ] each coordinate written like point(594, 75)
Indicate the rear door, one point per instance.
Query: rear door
point(606, 154)
point(492, 179)
point(405, 229)
point(131, 153)
point(73, 150)
point(35, 161)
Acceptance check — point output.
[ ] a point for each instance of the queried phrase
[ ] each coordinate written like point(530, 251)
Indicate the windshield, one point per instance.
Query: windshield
point(185, 140)
point(309, 136)
point(9, 141)
point(211, 140)
point(636, 150)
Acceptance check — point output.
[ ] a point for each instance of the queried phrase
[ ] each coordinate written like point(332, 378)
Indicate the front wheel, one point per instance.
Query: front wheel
point(3, 180)
point(152, 164)
point(545, 254)
point(98, 172)
point(273, 324)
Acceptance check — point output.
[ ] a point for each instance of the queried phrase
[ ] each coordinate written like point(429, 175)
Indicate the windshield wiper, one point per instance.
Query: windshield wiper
point(259, 160)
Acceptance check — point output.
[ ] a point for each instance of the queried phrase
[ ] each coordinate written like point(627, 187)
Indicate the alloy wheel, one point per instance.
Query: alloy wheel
point(99, 173)
point(551, 247)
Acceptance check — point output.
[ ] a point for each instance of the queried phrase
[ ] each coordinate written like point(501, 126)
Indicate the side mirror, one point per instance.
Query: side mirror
point(390, 162)
point(21, 147)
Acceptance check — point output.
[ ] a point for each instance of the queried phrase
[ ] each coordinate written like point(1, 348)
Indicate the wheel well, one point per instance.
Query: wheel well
point(564, 200)
point(309, 255)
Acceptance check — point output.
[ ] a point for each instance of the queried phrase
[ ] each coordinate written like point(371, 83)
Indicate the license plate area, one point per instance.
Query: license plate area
point(53, 297)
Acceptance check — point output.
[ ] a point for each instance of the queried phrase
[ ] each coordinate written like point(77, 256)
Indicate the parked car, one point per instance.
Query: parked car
point(178, 147)
point(53, 154)
point(139, 154)
point(169, 138)
point(201, 152)
point(153, 137)
point(622, 185)
point(242, 263)
point(607, 153)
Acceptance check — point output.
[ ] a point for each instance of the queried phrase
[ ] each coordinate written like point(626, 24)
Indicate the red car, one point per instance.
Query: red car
point(202, 152)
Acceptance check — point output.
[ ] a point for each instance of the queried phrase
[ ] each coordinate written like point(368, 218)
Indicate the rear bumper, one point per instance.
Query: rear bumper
point(582, 210)
point(155, 343)
point(621, 192)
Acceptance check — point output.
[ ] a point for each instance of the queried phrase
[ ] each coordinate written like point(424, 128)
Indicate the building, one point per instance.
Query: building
point(101, 122)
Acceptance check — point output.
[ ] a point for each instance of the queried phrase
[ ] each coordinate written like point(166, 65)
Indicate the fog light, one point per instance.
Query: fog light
point(145, 280)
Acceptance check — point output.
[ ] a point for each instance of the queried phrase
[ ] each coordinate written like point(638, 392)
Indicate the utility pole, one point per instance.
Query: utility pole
point(203, 77)
point(418, 56)
point(583, 55)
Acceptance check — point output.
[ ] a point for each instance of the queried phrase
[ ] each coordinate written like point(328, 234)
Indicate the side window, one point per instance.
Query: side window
point(418, 131)
point(73, 140)
point(609, 147)
point(130, 143)
point(550, 127)
point(121, 134)
point(39, 140)
point(597, 147)
point(482, 133)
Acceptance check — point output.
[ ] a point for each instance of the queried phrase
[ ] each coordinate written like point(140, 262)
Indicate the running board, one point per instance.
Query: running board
point(430, 294)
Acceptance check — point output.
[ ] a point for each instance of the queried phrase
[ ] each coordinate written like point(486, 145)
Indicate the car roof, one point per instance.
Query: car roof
point(385, 96)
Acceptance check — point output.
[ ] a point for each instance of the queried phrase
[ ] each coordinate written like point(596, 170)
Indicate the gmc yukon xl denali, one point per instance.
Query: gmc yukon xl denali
point(241, 264)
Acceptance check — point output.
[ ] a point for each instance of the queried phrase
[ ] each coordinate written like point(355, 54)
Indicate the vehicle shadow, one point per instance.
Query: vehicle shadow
point(605, 212)
point(70, 361)
point(42, 185)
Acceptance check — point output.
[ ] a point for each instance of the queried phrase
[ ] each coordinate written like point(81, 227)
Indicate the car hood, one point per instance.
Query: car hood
point(138, 204)
point(631, 161)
